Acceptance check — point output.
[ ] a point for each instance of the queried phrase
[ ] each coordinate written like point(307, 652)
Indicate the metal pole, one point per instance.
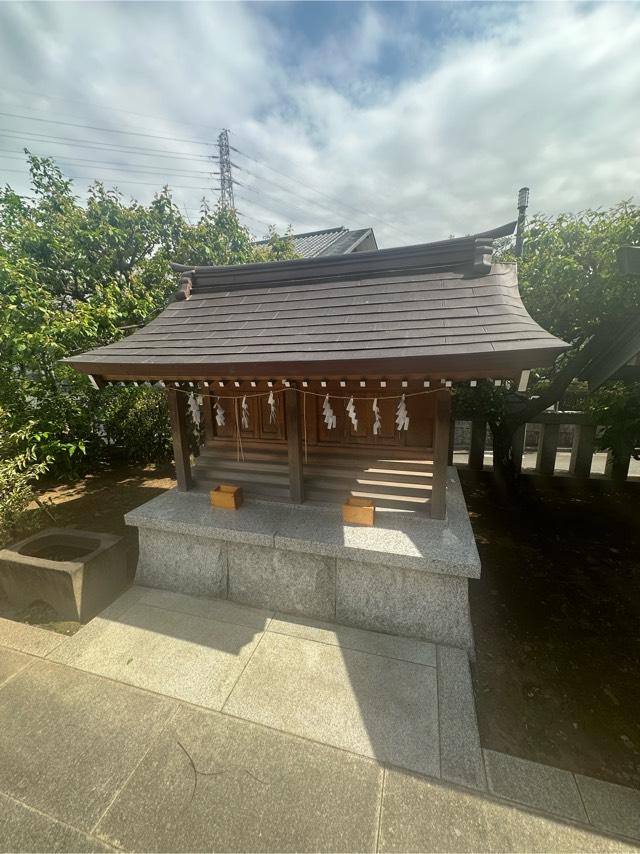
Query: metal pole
point(523, 203)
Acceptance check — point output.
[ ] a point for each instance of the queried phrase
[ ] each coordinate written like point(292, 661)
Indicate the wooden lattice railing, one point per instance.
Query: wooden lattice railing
point(561, 443)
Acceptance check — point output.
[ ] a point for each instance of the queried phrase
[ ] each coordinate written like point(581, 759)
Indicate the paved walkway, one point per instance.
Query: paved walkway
point(172, 723)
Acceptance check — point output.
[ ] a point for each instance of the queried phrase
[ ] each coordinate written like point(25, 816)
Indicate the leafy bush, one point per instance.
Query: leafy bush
point(20, 467)
point(616, 407)
point(134, 424)
point(75, 276)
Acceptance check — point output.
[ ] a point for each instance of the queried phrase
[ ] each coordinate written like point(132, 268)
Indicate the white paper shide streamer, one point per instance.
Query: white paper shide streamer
point(272, 408)
point(402, 416)
point(219, 413)
point(377, 423)
point(194, 406)
point(329, 417)
point(351, 412)
point(245, 414)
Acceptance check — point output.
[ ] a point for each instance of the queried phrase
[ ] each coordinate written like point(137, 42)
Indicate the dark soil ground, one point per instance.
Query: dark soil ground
point(556, 617)
point(556, 613)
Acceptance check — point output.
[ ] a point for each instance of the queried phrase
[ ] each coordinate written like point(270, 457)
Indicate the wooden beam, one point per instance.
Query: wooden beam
point(517, 446)
point(582, 449)
point(294, 445)
point(617, 465)
point(547, 448)
point(440, 454)
point(452, 438)
point(181, 455)
point(478, 441)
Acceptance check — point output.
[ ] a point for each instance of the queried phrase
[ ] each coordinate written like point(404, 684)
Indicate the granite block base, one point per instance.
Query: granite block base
point(407, 576)
point(183, 563)
point(292, 582)
point(404, 602)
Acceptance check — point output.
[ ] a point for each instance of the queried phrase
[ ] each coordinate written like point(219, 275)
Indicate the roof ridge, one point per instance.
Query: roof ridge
point(338, 235)
point(473, 253)
point(339, 229)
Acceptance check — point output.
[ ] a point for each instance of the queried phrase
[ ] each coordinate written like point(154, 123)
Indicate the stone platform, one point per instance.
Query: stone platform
point(407, 576)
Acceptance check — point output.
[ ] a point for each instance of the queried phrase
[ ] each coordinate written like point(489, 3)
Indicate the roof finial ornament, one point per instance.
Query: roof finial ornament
point(185, 289)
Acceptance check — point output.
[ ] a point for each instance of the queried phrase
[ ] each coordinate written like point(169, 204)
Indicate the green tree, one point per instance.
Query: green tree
point(571, 285)
point(75, 276)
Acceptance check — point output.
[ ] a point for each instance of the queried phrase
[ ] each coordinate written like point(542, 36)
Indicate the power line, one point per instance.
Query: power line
point(103, 107)
point(15, 155)
point(315, 190)
point(197, 142)
point(52, 140)
point(304, 212)
point(285, 219)
point(267, 225)
point(116, 181)
point(104, 130)
point(271, 199)
point(226, 178)
point(260, 207)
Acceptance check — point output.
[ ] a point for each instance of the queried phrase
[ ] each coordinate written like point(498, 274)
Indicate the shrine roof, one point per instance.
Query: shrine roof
point(434, 308)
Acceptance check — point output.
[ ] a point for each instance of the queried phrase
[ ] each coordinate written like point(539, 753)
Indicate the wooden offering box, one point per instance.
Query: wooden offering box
point(358, 511)
point(227, 496)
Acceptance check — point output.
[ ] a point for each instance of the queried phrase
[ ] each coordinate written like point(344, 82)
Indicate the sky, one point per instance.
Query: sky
point(419, 120)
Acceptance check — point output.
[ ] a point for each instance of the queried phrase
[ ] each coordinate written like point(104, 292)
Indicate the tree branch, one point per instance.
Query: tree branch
point(562, 379)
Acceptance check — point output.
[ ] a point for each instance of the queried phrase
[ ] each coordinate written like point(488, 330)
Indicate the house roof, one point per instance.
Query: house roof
point(427, 309)
point(329, 241)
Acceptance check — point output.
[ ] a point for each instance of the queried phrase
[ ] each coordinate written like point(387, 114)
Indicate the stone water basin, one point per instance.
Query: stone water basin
point(78, 573)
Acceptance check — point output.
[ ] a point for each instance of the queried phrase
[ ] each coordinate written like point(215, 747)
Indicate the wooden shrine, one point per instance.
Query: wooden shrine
point(327, 377)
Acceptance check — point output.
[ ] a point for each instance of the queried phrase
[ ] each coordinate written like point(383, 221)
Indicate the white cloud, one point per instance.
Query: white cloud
point(542, 94)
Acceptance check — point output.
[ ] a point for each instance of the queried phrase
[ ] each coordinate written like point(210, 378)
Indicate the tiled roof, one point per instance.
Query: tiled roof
point(424, 307)
point(329, 241)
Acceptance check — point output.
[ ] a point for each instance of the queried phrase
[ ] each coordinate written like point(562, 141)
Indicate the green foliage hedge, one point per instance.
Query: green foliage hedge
point(570, 283)
point(78, 275)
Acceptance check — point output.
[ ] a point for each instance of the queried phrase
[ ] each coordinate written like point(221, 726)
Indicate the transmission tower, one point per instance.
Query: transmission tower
point(226, 179)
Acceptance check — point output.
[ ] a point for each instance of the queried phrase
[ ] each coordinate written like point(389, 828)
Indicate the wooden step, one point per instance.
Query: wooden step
point(324, 461)
point(388, 478)
point(269, 451)
point(231, 469)
point(215, 476)
point(315, 495)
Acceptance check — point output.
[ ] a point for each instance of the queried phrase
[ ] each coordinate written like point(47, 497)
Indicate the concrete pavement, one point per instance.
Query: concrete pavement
point(173, 723)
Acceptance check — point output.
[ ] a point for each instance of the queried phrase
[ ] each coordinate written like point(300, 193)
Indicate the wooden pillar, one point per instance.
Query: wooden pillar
point(582, 449)
point(617, 465)
point(478, 441)
point(517, 446)
point(547, 448)
point(294, 445)
point(452, 439)
point(178, 413)
point(442, 420)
